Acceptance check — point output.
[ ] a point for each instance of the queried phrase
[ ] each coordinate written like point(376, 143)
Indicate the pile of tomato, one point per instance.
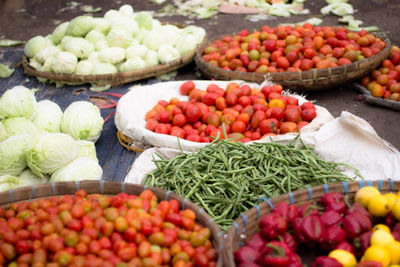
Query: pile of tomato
point(287, 48)
point(241, 112)
point(385, 81)
point(98, 230)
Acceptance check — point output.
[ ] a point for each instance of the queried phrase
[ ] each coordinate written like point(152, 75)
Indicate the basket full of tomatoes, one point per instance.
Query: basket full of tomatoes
point(102, 223)
point(304, 57)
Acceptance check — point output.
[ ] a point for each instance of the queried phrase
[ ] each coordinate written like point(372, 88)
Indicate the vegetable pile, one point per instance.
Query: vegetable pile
point(123, 40)
point(96, 230)
point(40, 137)
point(385, 81)
point(227, 178)
point(342, 231)
point(291, 49)
point(246, 113)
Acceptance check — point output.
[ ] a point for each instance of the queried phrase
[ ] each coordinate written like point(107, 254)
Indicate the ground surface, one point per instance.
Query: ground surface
point(37, 18)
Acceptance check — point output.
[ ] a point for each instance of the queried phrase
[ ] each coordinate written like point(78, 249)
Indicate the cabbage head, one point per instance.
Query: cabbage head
point(94, 57)
point(47, 52)
point(101, 25)
point(80, 47)
point(48, 116)
point(80, 26)
point(80, 169)
point(186, 44)
point(34, 45)
point(103, 68)
point(87, 149)
point(112, 55)
point(167, 53)
point(50, 152)
point(133, 64)
point(94, 36)
point(82, 120)
point(27, 177)
point(153, 39)
point(126, 10)
point(136, 51)
point(198, 32)
point(84, 67)
point(101, 44)
point(144, 19)
point(119, 37)
point(12, 154)
point(151, 58)
point(18, 125)
point(8, 182)
point(59, 32)
point(170, 33)
point(47, 64)
point(18, 101)
point(35, 64)
point(126, 23)
point(64, 63)
point(111, 14)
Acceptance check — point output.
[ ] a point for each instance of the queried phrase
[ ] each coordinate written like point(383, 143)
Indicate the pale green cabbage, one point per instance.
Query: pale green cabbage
point(82, 168)
point(154, 39)
point(94, 57)
point(8, 182)
point(35, 64)
point(170, 33)
point(133, 64)
point(59, 32)
point(50, 152)
point(111, 14)
point(126, 10)
point(136, 51)
point(126, 23)
point(87, 149)
point(198, 32)
point(103, 68)
point(80, 26)
point(82, 120)
point(12, 154)
point(47, 64)
point(186, 44)
point(102, 25)
point(18, 102)
point(27, 177)
point(80, 47)
point(151, 58)
point(48, 116)
point(17, 125)
point(112, 55)
point(94, 36)
point(84, 67)
point(167, 53)
point(156, 24)
point(64, 63)
point(144, 19)
point(119, 37)
point(34, 45)
point(139, 37)
point(101, 44)
point(47, 52)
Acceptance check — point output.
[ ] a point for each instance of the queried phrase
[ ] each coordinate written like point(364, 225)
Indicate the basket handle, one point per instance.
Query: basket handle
point(127, 142)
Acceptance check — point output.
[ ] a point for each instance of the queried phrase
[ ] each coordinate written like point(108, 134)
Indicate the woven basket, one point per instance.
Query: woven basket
point(311, 80)
point(112, 188)
point(370, 99)
point(247, 223)
point(115, 79)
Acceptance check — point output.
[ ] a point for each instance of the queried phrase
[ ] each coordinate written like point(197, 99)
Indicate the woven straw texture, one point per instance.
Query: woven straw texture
point(247, 223)
point(112, 188)
point(311, 80)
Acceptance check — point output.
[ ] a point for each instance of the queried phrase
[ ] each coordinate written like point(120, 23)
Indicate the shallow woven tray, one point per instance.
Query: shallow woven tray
point(118, 78)
point(112, 188)
point(311, 80)
point(247, 223)
point(370, 99)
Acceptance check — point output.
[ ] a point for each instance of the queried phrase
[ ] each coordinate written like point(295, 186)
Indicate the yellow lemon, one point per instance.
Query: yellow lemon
point(381, 238)
point(364, 194)
point(394, 251)
point(377, 253)
point(391, 198)
point(383, 227)
point(344, 257)
point(378, 206)
point(396, 209)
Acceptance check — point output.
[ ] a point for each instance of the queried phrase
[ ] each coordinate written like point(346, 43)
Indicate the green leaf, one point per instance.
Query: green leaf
point(8, 42)
point(5, 71)
point(90, 9)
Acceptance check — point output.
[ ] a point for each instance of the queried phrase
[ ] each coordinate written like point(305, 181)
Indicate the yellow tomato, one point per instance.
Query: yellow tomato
point(396, 209)
point(344, 257)
point(383, 227)
point(364, 194)
point(276, 103)
point(378, 206)
point(394, 251)
point(377, 253)
point(391, 198)
point(381, 238)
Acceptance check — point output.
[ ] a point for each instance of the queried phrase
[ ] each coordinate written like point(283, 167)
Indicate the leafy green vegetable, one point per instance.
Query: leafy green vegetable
point(17, 125)
point(133, 64)
point(27, 177)
point(126, 10)
point(8, 182)
point(80, 47)
point(104, 68)
point(18, 102)
point(82, 168)
point(48, 116)
point(137, 50)
point(59, 32)
point(47, 52)
point(186, 44)
point(119, 37)
point(12, 154)
point(80, 26)
point(112, 55)
point(167, 53)
point(8, 42)
point(64, 62)
point(90, 9)
point(87, 149)
point(34, 45)
point(145, 20)
point(5, 71)
point(84, 67)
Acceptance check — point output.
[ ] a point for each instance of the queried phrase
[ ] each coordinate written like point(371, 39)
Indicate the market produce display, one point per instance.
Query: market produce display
point(227, 178)
point(244, 113)
point(291, 49)
point(365, 233)
point(97, 230)
point(385, 81)
point(121, 41)
point(38, 140)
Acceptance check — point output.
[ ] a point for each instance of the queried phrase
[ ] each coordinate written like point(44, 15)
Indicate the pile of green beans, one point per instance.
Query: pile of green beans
point(227, 178)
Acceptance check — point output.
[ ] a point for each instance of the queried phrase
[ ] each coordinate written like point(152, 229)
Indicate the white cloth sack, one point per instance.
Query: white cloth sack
point(132, 108)
point(348, 139)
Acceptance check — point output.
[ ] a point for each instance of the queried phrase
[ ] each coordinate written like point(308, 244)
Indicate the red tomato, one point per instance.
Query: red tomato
point(308, 114)
point(292, 115)
point(287, 127)
point(268, 126)
point(150, 125)
point(277, 113)
point(187, 87)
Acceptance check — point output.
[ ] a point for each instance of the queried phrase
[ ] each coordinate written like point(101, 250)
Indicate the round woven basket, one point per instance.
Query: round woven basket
point(311, 80)
point(247, 223)
point(112, 188)
point(118, 78)
point(370, 99)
